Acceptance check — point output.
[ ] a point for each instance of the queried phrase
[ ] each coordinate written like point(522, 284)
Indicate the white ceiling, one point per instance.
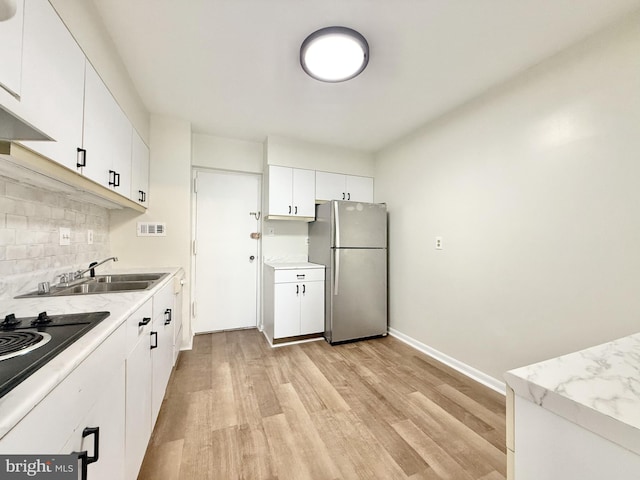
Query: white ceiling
point(231, 67)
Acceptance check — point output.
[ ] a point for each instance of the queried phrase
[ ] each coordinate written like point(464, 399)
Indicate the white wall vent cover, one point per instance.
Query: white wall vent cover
point(148, 229)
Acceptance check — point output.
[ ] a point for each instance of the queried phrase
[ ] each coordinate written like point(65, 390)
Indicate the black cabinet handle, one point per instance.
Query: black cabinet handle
point(289, 209)
point(343, 196)
point(117, 180)
point(83, 456)
point(95, 431)
point(112, 178)
point(145, 321)
point(296, 212)
point(140, 196)
point(297, 289)
point(304, 289)
point(348, 196)
point(81, 160)
point(167, 316)
point(155, 336)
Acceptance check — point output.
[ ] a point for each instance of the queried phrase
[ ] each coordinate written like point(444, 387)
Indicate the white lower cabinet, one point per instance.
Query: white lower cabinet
point(108, 405)
point(138, 388)
point(102, 432)
point(162, 353)
point(294, 301)
point(91, 397)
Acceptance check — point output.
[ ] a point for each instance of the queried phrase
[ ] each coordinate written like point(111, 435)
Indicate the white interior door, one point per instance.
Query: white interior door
point(226, 259)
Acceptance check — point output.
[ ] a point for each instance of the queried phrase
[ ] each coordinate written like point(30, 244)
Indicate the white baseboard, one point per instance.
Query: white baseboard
point(474, 374)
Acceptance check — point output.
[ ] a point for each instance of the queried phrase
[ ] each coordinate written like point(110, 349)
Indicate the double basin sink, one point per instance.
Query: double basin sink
point(116, 283)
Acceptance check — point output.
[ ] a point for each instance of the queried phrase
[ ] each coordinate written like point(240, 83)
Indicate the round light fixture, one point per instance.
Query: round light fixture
point(334, 54)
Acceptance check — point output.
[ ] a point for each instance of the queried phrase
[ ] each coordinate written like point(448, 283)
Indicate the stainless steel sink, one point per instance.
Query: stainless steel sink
point(129, 277)
point(91, 287)
point(116, 283)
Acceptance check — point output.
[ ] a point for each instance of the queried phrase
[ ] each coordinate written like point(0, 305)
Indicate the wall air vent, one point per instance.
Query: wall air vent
point(149, 229)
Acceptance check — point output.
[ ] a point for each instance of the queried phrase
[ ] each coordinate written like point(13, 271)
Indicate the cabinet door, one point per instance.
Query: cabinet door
point(304, 193)
point(280, 190)
point(108, 414)
point(286, 310)
point(330, 186)
point(11, 51)
point(52, 83)
point(138, 405)
point(312, 308)
point(162, 356)
point(359, 189)
point(139, 171)
point(107, 136)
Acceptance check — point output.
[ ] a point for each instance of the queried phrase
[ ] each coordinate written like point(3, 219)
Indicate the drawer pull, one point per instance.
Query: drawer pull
point(95, 431)
point(145, 321)
point(300, 276)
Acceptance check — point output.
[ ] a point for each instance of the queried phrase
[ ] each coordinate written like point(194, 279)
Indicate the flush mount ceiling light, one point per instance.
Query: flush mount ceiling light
point(334, 54)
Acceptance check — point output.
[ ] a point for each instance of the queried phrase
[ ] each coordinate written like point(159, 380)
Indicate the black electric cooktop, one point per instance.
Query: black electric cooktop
point(26, 344)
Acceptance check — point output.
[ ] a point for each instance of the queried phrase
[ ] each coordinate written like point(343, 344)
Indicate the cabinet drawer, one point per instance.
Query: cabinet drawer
point(299, 275)
point(134, 329)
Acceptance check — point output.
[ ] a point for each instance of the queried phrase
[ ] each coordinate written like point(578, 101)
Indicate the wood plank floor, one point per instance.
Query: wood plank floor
point(237, 409)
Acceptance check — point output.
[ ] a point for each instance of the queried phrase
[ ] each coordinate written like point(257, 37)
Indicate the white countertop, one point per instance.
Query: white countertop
point(597, 388)
point(293, 265)
point(23, 398)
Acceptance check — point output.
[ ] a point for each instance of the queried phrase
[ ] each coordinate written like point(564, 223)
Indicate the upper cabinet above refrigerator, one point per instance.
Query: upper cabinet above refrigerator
point(336, 186)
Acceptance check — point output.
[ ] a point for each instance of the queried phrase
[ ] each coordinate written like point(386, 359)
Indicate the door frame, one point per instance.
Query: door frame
point(194, 215)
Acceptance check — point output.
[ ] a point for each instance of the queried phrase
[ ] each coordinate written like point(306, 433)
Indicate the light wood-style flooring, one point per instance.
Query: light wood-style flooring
point(236, 408)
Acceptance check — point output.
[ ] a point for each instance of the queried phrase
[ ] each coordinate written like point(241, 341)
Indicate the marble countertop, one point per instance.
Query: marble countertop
point(293, 265)
point(597, 388)
point(23, 398)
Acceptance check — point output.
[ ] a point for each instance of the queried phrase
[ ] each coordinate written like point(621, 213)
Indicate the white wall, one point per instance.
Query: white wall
point(289, 152)
point(534, 189)
point(210, 151)
point(83, 21)
point(169, 202)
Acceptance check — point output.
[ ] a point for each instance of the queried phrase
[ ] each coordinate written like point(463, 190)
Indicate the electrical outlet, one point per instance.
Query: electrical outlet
point(89, 237)
point(65, 236)
point(439, 243)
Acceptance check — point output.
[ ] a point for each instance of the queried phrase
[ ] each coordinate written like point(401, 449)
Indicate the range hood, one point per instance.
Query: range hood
point(14, 128)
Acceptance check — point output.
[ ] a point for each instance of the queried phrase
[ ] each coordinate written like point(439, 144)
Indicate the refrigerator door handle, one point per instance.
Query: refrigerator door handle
point(336, 271)
point(336, 214)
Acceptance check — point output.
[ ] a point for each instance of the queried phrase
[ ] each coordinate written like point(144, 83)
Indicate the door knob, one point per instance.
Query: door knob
point(252, 258)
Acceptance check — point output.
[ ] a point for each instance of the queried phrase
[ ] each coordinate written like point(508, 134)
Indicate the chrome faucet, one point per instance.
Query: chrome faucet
point(92, 267)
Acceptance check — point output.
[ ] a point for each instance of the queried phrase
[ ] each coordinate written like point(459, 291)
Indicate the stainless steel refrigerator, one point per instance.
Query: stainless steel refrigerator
point(350, 240)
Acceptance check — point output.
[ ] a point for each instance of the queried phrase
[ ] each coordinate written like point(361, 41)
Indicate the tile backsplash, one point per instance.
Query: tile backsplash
point(30, 220)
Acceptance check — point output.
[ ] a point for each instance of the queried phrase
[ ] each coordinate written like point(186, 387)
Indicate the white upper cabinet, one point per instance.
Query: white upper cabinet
point(139, 171)
point(336, 186)
point(107, 137)
point(11, 50)
point(291, 193)
point(52, 90)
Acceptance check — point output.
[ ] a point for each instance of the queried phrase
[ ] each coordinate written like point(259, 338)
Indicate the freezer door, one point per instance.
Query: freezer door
point(357, 299)
point(359, 225)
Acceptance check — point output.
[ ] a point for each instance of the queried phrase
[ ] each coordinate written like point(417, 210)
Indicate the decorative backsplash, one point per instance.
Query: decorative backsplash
point(30, 222)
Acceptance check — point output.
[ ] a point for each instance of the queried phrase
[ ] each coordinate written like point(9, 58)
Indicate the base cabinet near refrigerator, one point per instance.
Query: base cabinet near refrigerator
point(293, 300)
